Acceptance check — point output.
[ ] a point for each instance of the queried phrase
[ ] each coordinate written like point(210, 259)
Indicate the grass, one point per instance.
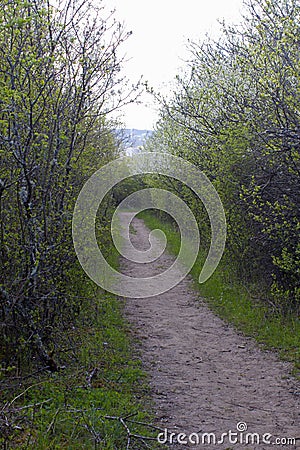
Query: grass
point(102, 377)
point(99, 390)
point(233, 301)
point(132, 230)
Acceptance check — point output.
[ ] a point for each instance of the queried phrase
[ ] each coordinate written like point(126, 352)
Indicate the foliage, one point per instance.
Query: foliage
point(81, 406)
point(59, 78)
point(235, 115)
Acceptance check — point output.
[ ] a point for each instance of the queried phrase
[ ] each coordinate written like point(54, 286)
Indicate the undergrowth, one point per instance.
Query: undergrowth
point(99, 390)
point(98, 397)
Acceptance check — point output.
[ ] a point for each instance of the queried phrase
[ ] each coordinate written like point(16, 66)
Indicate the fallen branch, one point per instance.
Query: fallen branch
point(90, 376)
point(130, 434)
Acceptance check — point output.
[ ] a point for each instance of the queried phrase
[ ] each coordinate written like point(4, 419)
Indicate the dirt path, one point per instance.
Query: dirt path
point(205, 377)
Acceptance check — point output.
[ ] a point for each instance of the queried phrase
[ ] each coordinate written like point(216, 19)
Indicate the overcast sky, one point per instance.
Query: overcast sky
point(157, 47)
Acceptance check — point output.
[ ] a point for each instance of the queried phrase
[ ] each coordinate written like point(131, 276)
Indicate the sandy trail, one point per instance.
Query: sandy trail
point(204, 376)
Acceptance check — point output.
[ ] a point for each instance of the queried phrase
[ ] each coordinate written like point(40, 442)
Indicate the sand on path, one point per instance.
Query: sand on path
point(205, 377)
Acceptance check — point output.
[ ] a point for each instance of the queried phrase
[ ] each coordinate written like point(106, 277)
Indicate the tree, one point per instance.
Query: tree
point(235, 114)
point(59, 78)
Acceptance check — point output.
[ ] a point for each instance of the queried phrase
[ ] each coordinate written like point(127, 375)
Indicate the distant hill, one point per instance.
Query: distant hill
point(134, 139)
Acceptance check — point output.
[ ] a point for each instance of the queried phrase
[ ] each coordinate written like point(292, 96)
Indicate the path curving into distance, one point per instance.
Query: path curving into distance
point(204, 376)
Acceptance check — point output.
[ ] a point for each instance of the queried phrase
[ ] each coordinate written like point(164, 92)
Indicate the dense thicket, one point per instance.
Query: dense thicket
point(235, 114)
point(59, 77)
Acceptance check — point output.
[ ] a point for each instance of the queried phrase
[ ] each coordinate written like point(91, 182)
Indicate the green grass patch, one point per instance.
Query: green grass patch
point(235, 303)
point(132, 230)
point(99, 387)
point(102, 377)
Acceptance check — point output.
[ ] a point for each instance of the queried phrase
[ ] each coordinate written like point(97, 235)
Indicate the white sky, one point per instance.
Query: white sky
point(157, 47)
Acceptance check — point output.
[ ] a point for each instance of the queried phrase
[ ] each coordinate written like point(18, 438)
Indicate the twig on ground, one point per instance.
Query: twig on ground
point(131, 435)
point(90, 376)
point(52, 423)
